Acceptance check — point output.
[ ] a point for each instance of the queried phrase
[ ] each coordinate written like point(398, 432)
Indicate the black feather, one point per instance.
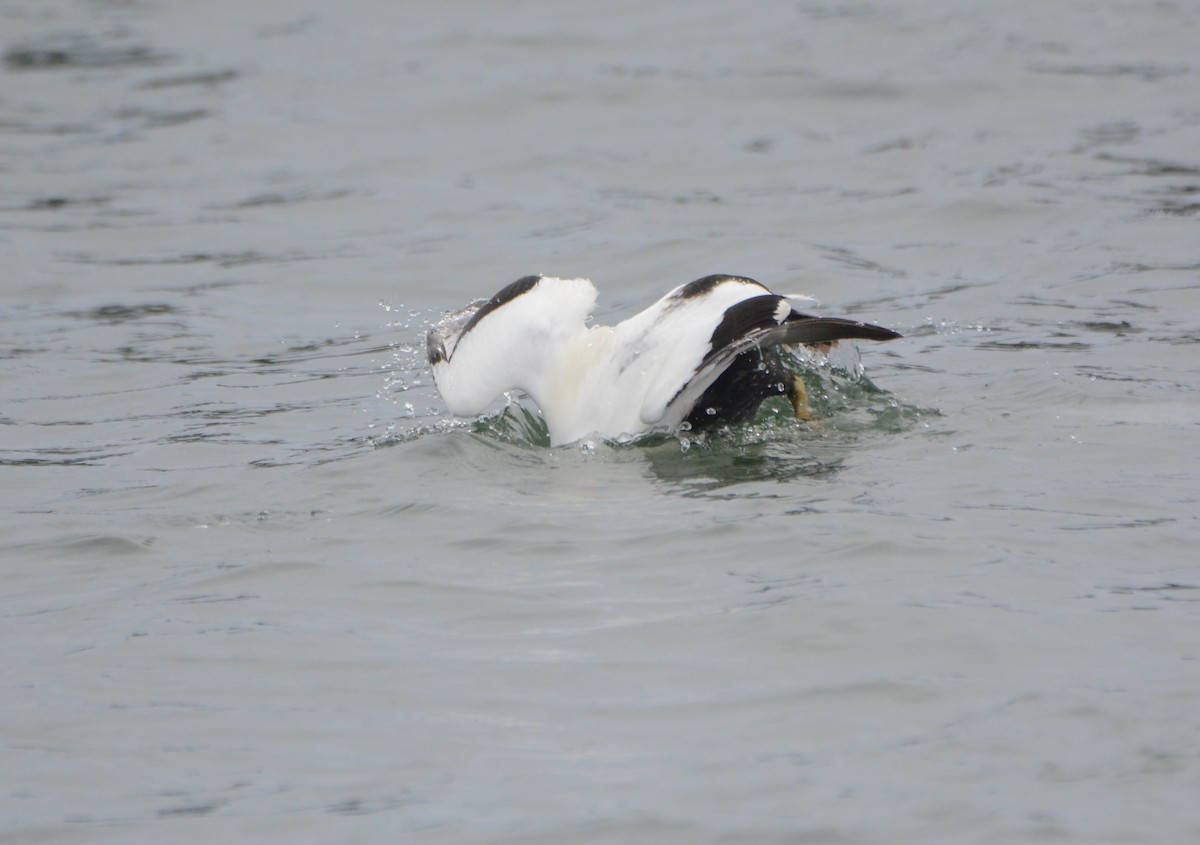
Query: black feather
point(757, 312)
point(734, 397)
point(702, 286)
point(805, 329)
point(757, 372)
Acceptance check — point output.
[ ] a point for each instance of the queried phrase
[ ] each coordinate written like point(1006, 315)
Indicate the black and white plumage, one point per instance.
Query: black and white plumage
point(704, 354)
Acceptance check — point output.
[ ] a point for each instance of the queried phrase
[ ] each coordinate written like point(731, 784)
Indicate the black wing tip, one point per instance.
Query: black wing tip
point(870, 331)
point(881, 334)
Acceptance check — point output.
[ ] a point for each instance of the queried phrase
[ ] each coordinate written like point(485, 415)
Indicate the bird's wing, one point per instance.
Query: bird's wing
point(656, 352)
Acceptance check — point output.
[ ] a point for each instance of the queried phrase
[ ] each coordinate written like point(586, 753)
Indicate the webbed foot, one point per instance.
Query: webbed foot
point(799, 397)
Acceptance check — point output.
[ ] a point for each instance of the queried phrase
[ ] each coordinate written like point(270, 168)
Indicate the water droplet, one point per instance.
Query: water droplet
point(712, 412)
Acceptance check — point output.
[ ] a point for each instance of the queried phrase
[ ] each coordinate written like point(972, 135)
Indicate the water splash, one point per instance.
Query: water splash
point(407, 385)
point(775, 446)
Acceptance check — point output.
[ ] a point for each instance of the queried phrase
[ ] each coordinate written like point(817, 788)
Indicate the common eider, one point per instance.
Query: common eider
point(704, 354)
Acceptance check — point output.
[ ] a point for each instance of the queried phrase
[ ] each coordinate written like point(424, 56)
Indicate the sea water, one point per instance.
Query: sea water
point(258, 586)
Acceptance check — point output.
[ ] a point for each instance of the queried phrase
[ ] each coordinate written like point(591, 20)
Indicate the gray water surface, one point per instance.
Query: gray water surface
point(257, 586)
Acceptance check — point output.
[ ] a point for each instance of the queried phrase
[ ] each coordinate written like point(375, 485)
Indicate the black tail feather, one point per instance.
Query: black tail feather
point(829, 329)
